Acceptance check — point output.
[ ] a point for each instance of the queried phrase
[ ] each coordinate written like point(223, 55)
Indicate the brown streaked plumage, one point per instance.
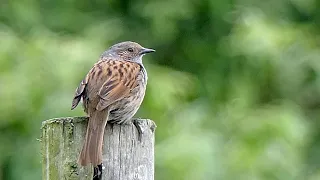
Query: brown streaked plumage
point(113, 91)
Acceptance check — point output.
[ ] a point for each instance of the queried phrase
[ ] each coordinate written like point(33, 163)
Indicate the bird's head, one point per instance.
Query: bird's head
point(129, 51)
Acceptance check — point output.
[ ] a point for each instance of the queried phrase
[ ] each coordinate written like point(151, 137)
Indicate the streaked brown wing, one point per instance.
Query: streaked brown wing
point(119, 84)
point(79, 92)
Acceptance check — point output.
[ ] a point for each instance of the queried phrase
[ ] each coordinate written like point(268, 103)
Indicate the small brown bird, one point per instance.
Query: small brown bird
point(112, 91)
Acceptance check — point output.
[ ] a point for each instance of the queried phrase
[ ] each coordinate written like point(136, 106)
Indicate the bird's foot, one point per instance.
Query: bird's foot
point(139, 127)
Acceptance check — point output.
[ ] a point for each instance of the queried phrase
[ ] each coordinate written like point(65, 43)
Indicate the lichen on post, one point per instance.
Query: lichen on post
point(126, 156)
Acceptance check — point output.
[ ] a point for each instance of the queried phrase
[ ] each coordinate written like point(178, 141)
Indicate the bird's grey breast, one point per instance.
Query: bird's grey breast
point(123, 110)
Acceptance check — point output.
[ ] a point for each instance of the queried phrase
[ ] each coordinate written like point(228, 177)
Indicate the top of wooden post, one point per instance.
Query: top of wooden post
point(125, 156)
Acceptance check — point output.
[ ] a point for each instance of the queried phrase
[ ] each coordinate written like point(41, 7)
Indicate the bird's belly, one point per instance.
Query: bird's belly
point(122, 111)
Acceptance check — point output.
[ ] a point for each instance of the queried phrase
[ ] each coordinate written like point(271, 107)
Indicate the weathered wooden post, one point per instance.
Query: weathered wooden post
point(125, 155)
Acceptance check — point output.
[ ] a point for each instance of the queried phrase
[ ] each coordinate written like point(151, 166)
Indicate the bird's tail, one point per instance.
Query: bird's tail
point(92, 148)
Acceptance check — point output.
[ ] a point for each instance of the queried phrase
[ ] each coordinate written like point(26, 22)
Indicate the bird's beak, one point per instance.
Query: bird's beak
point(146, 50)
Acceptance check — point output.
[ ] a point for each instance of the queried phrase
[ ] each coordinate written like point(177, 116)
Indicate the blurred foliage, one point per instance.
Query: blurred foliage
point(234, 86)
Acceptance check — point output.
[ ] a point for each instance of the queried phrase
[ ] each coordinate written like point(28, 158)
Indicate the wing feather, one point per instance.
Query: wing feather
point(79, 92)
point(119, 84)
point(119, 78)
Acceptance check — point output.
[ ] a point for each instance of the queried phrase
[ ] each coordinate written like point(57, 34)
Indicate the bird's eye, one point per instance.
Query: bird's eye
point(130, 49)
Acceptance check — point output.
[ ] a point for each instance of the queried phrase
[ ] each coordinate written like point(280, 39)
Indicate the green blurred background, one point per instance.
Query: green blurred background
point(234, 86)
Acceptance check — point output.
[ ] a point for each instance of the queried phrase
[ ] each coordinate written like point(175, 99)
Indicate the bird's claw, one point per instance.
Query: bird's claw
point(139, 127)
